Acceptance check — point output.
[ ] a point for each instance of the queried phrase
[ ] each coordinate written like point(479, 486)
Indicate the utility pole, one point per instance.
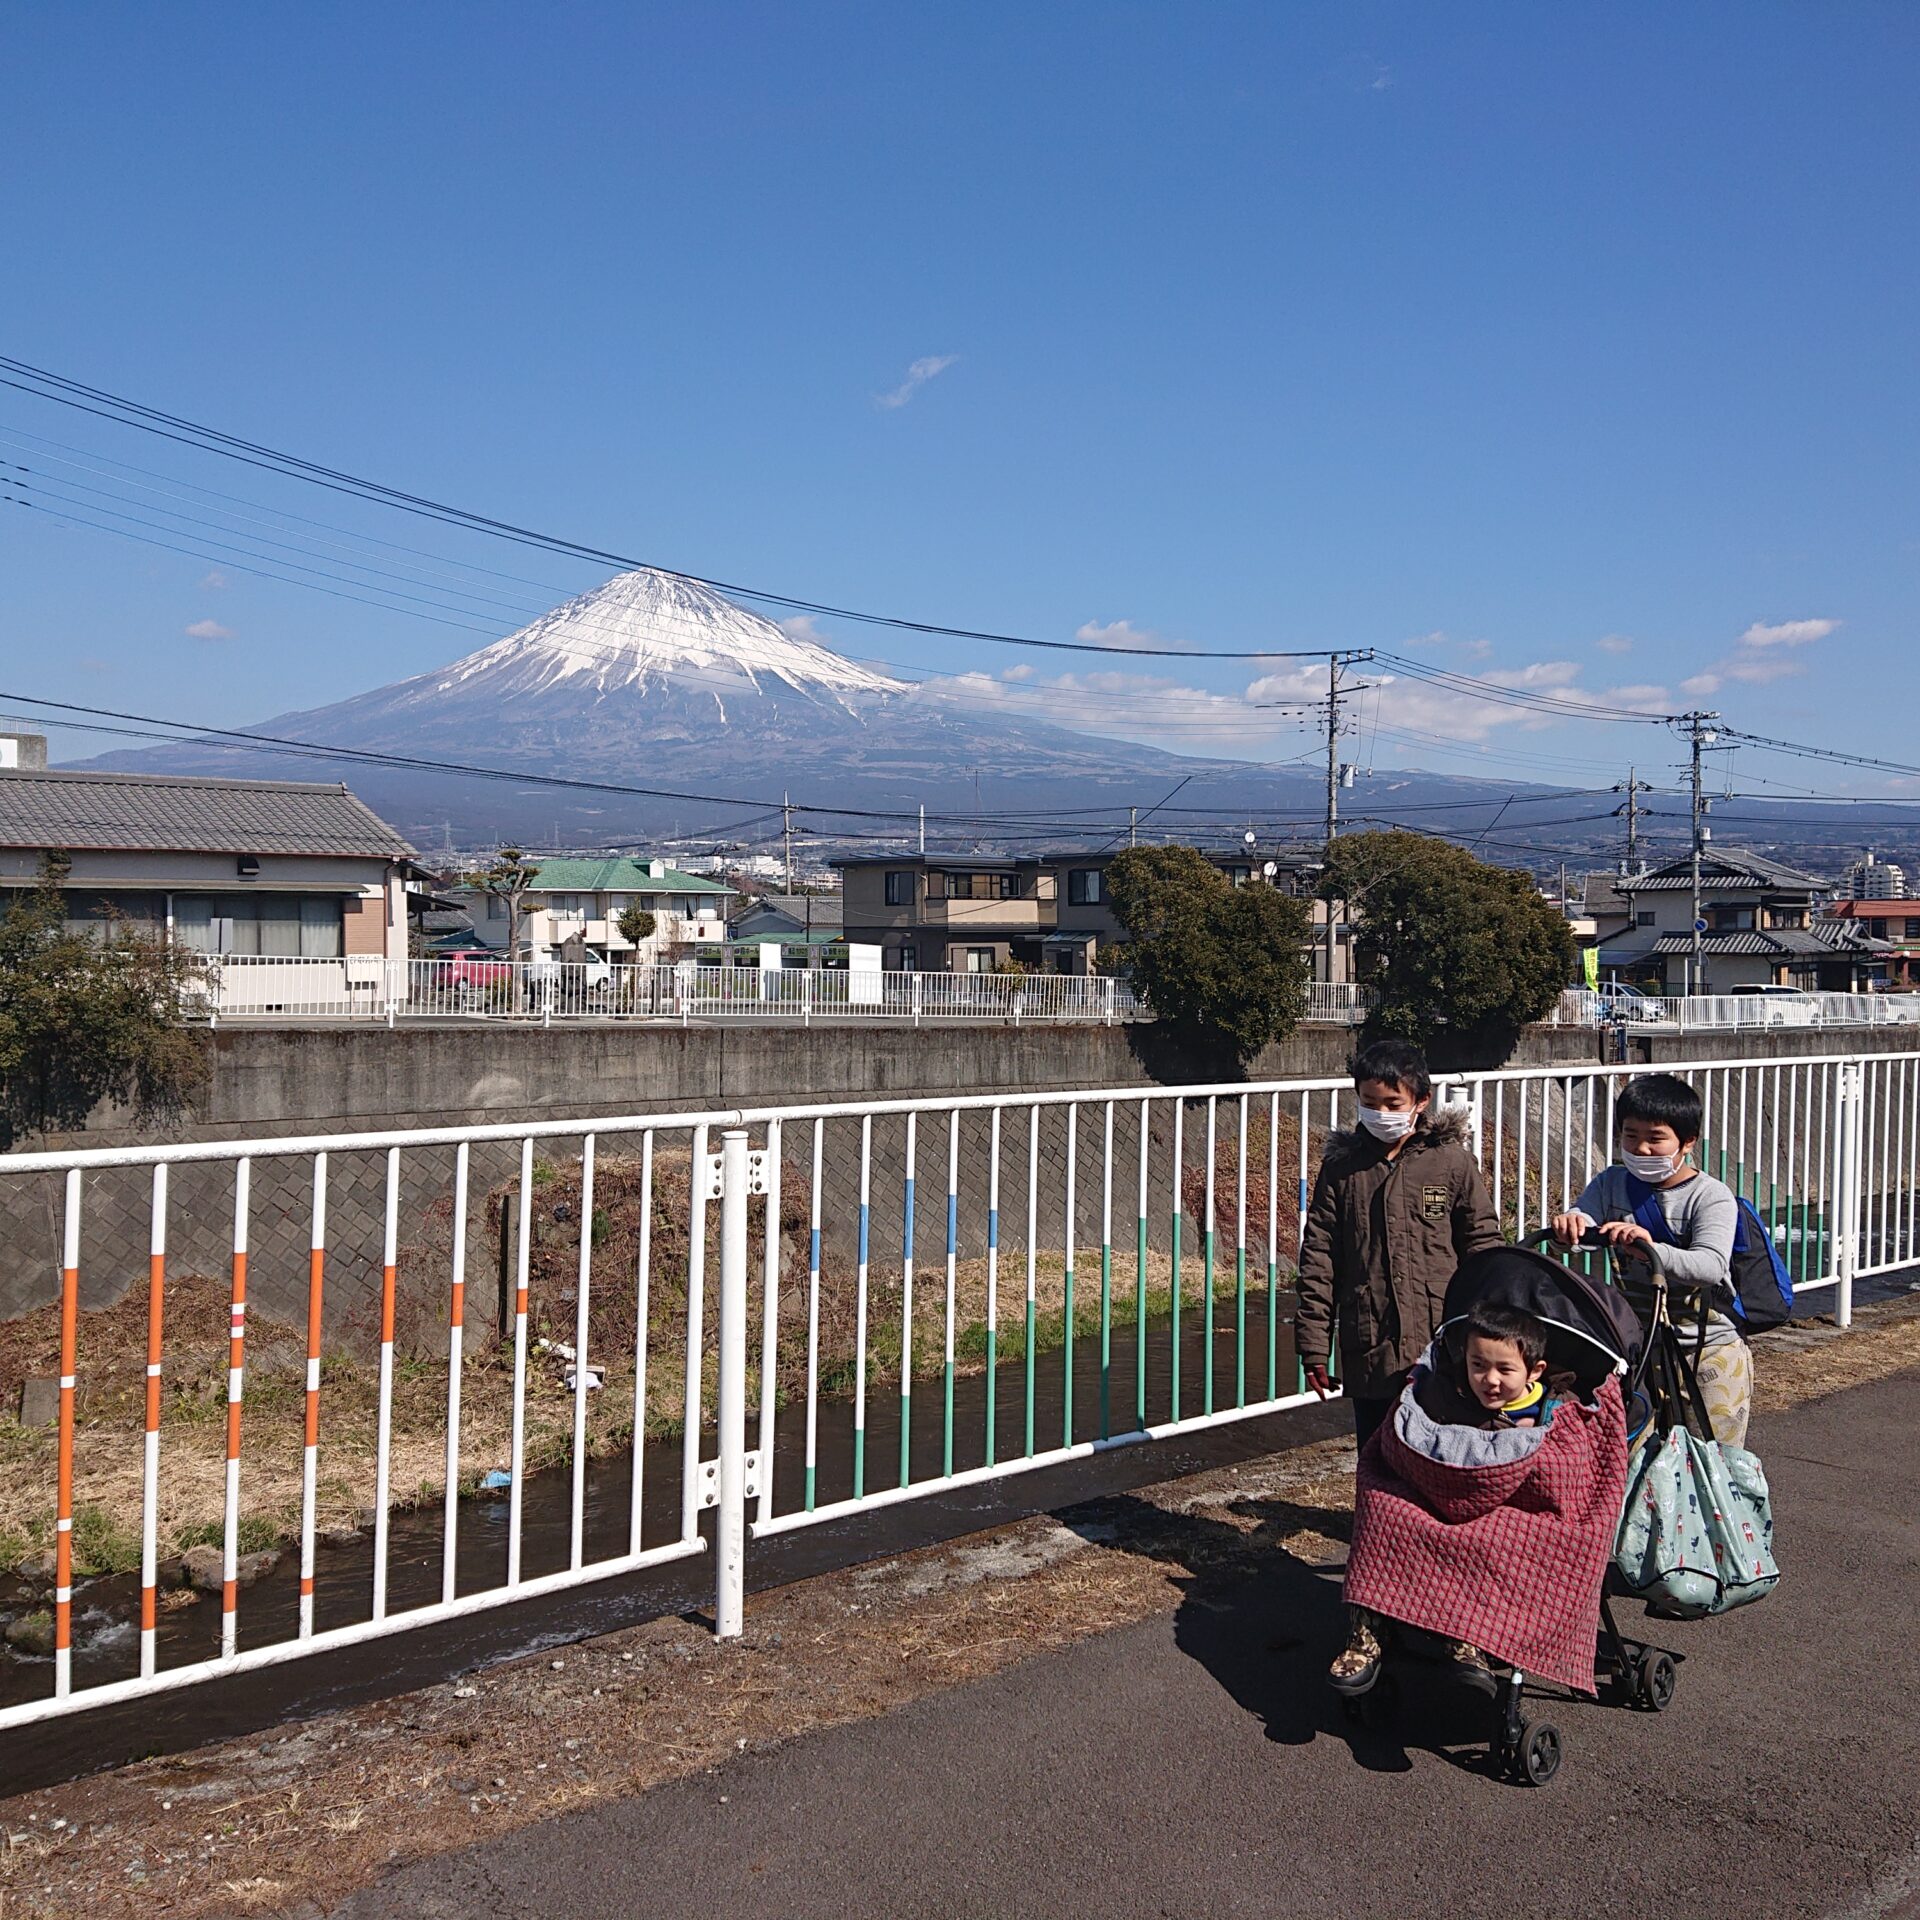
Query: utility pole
point(1700, 735)
point(923, 826)
point(1333, 751)
point(1333, 792)
point(1133, 826)
point(786, 827)
point(1633, 789)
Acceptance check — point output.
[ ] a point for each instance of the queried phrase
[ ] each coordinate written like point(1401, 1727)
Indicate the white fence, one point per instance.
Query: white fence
point(239, 987)
point(1734, 1012)
point(1095, 1270)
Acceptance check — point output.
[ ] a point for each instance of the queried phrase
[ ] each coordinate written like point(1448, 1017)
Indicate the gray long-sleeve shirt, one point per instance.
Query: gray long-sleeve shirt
point(1701, 1214)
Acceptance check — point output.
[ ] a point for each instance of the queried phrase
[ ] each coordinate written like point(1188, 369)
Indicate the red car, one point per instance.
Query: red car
point(471, 974)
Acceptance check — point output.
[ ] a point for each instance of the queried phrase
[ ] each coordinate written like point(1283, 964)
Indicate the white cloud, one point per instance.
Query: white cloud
point(1789, 633)
point(1019, 673)
point(1476, 649)
point(1115, 633)
point(1381, 81)
point(800, 626)
point(1756, 670)
point(1437, 638)
point(1615, 643)
point(1761, 655)
point(214, 581)
point(209, 630)
point(928, 367)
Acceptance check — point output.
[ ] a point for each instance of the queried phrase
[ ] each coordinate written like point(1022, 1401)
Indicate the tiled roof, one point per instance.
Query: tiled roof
point(151, 813)
point(1786, 943)
point(1720, 870)
point(620, 875)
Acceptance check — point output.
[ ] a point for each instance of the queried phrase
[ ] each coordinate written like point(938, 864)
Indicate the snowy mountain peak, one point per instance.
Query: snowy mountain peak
point(646, 626)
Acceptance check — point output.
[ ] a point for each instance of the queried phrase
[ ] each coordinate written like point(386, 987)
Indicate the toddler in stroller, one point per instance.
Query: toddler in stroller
point(1485, 1536)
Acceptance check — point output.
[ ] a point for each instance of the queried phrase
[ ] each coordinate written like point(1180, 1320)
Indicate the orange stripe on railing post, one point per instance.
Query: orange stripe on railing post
point(69, 1361)
point(383, 1466)
point(236, 1381)
point(150, 1490)
point(310, 1464)
point(456, 1323)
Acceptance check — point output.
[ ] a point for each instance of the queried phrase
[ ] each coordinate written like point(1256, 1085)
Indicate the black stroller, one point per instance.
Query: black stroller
point(1593, 1334)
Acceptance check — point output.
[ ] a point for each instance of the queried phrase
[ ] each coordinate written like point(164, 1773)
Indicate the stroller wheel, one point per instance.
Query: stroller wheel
point(1656, 1677)
point(1539, 1753)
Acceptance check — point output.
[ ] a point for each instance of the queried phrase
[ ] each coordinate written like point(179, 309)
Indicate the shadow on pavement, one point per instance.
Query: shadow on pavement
point(1266, 1623)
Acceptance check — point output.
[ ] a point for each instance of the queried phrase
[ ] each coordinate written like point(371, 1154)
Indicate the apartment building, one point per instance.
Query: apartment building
point(969, 913)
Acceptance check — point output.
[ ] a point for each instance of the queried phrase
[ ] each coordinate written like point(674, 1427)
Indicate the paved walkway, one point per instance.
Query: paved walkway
point(1196, 1767)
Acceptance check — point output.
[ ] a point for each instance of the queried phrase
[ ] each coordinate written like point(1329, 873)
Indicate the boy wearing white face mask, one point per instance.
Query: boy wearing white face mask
point(1398, 1205)
point(1659, 1117)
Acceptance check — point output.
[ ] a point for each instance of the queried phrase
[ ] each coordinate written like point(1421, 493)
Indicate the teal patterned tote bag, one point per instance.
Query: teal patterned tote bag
point(1697, 1528)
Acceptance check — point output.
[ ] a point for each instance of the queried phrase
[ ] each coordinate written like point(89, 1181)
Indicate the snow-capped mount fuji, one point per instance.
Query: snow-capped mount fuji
point(646, 629)
point(653, 680)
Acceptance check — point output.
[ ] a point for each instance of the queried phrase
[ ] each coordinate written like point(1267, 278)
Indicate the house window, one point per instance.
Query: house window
point(979, 959)
point(900, 888)
point(936, 886)
point(274, 926)
point(1085, 887)
point(1239, 875)
point(1643, 918)
point(1733, 919)
point(1913, 929)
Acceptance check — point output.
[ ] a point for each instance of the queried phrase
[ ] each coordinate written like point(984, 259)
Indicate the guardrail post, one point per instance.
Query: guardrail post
point(730, 1531)
point(1851, 1171)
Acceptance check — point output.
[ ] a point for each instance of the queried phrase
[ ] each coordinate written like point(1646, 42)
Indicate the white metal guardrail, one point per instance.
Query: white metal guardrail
point(245, 986)
point(908, 1296)
point(1734, 1012)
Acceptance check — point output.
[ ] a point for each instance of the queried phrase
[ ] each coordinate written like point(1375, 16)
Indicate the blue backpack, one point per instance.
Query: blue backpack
point(1762, 1286)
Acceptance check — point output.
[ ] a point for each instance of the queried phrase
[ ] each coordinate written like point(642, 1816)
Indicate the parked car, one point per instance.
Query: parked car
point(1789, 1007)
point(468, 977)
point(1620, 1002)
point(570, 986)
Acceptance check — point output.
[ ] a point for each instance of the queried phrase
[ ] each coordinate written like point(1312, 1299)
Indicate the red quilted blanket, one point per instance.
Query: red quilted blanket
point(1508, 1556)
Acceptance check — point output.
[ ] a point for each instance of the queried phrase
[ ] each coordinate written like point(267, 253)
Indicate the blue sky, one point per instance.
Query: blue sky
point(1564, 345)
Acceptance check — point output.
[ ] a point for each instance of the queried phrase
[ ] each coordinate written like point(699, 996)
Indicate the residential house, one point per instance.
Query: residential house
point(1763, 928)
point(253, 869)
point(574, 904)
point(806, 927)
point(1895, 923)
point(971, 913)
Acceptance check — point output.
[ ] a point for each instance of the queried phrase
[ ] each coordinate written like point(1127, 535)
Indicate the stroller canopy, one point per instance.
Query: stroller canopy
point(1592, 1331)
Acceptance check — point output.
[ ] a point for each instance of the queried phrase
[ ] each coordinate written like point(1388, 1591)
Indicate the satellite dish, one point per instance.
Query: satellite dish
point(1270, 869)
point(1248, 836)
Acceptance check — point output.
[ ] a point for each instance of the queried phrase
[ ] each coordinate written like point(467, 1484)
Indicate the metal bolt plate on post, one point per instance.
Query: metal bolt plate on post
point(756, 1175)
point(710, 1480)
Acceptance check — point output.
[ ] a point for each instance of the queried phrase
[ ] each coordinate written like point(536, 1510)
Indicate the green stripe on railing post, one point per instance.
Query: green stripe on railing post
point(1206, 1318)
point(1140, 1325)
point(1176, 1308)
point(1106, 1337)
point(1029, 1377)
point(946, 1451)
point(809, 1489)
point(1240, 1327)
point(1066, 1360)
point(993, 1387)
point(1273, 1333)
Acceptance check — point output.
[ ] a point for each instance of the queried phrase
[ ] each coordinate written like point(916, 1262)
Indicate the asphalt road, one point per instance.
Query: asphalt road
point(1196, 1766)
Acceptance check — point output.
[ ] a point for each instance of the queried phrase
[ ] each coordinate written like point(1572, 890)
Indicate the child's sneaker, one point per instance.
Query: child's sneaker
point(1357, 1666)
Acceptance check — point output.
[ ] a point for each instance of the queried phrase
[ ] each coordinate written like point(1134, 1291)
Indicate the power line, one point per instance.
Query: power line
point(45, 385)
